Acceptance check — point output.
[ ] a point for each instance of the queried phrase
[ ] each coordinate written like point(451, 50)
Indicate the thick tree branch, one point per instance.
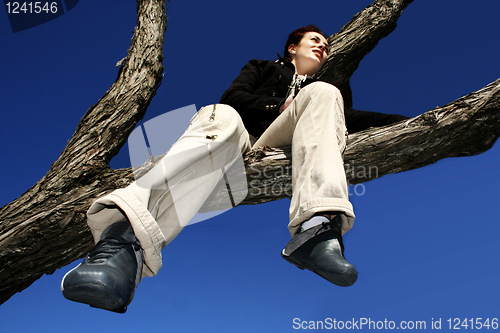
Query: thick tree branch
point(45, 228)
point(356, 39)
point(467, 126)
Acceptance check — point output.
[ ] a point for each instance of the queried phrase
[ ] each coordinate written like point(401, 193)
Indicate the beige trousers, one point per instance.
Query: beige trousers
point(161, 203)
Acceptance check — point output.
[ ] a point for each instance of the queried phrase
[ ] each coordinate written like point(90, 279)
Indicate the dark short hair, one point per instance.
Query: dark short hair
point(296, 36)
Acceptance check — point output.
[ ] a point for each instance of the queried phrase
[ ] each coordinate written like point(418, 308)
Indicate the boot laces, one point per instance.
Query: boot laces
point(104, 250)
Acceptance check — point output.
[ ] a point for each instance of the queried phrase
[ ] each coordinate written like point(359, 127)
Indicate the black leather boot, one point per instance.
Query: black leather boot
point(108, 276)
point(320, 249)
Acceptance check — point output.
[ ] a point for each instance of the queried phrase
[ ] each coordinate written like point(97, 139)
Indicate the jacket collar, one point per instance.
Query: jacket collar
point(285, 62)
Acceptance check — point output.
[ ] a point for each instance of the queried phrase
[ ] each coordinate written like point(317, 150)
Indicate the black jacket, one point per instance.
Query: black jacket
point(261, 87)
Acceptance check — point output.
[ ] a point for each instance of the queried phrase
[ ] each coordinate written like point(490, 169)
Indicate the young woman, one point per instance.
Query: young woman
point(274, 103)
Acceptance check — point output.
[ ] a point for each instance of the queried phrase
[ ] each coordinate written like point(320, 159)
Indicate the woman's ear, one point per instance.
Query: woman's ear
point(291, 49)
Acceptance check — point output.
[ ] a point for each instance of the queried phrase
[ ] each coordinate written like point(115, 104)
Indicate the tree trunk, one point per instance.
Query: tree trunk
point(45, 228)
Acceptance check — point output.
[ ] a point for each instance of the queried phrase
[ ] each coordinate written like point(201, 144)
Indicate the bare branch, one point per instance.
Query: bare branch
point(45, 228)
point(356, 39)
point(50, 217)
point(467, 126)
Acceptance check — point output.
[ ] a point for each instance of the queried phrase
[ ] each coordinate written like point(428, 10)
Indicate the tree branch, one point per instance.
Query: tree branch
point(45, 228)
point(465, 127)
point(356, 39)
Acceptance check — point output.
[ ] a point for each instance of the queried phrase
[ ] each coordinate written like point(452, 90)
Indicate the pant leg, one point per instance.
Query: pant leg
point(314, 125)
point(162, 202)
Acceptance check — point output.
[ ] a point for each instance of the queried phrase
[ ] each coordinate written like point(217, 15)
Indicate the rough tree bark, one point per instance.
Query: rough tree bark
point(465, 127)
point(45, 228)
point(50, 217)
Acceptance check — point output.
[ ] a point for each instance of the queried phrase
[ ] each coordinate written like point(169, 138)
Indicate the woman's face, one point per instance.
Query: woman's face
point(310, 54)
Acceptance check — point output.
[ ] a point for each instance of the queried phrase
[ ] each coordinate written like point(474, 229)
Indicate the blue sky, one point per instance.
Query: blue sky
point(425, 241)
